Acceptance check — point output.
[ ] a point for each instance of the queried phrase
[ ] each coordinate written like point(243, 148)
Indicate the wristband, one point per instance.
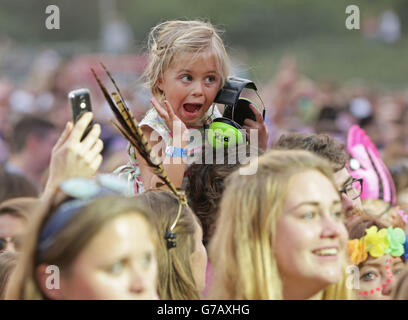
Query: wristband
point(176, 152)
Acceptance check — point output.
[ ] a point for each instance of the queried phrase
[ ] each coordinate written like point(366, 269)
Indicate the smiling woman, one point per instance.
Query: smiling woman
point(281, 232)
point(310, 237)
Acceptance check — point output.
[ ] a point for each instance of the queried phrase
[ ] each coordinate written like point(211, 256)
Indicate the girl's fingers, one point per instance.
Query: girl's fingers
point(169, 109)
point(160, 110)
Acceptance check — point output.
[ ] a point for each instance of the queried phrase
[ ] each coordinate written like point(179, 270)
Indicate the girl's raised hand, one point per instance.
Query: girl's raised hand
point(258, 125)
point(172, 121)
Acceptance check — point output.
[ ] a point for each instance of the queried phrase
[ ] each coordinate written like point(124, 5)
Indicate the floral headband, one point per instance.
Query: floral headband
point(377, 243)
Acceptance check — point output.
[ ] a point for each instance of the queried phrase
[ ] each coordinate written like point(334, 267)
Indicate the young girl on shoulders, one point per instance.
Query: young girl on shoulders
point(188, 66)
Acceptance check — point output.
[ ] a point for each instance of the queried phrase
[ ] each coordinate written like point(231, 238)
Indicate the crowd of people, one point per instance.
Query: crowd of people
point(316, 186)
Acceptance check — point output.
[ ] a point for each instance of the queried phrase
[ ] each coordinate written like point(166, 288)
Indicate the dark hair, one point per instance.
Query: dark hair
point(26, 126)
point(321, 144)
point(357, 229)
point(13, 185)
point(206, 185)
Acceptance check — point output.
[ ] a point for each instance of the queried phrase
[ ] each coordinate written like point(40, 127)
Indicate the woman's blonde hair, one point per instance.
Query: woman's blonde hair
point(8, 261)
point(246, 228)
point(176, 280)
point(68, 243)
point(400, 290)
point(170, 38)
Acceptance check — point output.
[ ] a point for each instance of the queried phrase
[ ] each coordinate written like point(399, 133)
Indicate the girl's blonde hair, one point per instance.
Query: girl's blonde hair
point(176, 280)
point(242, 251)
point(69, 242)
point(170, 38)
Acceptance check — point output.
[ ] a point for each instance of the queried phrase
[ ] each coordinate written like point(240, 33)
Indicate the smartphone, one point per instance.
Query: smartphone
point(80, 101)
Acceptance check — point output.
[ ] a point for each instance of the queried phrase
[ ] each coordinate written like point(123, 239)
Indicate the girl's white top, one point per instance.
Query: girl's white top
point(131, 170)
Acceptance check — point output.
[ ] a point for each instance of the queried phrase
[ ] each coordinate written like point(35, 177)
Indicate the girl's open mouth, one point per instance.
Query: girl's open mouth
point(192, 110)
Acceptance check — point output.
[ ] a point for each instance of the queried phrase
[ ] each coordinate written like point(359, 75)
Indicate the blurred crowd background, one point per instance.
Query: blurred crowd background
point(313, 74)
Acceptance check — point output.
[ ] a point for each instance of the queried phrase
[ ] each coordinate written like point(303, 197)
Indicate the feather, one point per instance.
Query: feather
point(126, 113)
point(130, 130)
point(114, 83)
point(109, 100)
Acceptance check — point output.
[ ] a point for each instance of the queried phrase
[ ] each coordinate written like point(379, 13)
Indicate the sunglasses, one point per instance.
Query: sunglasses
point(81, 192)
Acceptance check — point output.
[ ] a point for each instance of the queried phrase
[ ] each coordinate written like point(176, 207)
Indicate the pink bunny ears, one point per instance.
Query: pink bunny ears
point(366, 163)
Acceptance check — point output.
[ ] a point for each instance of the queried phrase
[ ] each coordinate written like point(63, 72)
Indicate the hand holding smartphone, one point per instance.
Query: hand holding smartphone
point(73, 155)
point(80, 101)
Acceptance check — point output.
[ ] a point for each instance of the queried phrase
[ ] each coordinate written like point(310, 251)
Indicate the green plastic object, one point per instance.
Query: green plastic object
point(222, 134)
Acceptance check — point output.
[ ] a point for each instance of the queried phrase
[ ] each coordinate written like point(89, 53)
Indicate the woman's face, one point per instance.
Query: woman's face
point(377, 277)
point(198, 258)
point(310, 235)
point(119, 263)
